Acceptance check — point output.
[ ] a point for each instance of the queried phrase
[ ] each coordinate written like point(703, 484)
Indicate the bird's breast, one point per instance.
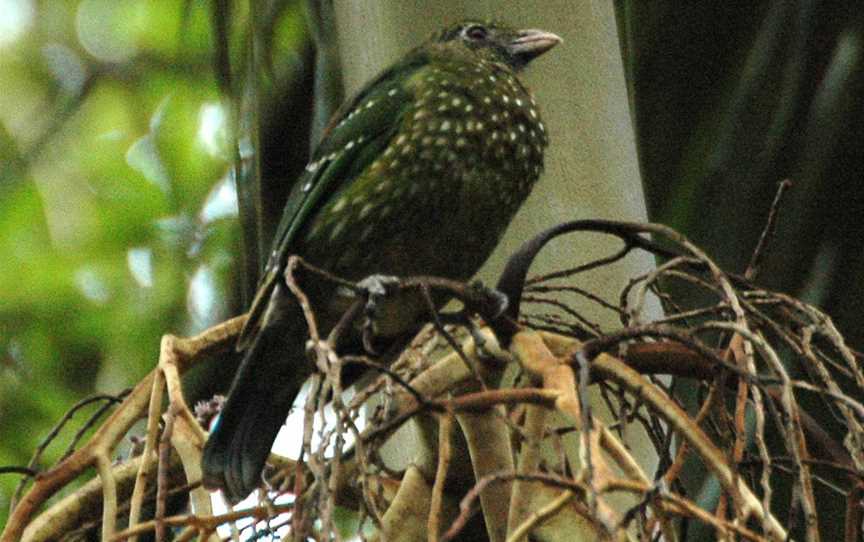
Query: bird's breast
point(437, 198)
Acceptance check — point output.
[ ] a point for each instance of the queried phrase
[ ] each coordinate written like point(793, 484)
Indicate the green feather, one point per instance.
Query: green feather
point(420, 173)
point(374, 127)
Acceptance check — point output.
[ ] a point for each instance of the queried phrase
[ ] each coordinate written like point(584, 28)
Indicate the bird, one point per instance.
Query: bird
point(419, 174)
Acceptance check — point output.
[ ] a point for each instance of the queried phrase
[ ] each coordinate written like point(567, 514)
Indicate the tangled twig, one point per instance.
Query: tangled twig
point(541, 451)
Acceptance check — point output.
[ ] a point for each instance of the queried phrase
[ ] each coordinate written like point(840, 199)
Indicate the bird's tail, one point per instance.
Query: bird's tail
point(266, 384)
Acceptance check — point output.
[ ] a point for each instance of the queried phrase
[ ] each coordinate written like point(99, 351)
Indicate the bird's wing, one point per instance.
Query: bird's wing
point(359, 132)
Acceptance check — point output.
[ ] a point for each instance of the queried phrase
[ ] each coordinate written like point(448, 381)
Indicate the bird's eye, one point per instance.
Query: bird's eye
point(476, 32)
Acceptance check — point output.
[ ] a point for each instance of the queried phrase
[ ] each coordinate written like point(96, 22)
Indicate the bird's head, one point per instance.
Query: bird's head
point(497, 42)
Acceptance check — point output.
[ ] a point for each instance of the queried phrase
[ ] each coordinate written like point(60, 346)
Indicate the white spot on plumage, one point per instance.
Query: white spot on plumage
point(392, 92)
point(445, 126)
point(337, 229)
point(383, 185)
point(316, 231)
point(340, 204)
point(364, 212)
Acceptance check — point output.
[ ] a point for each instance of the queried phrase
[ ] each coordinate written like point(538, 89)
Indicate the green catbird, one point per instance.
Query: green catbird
point(419, 174)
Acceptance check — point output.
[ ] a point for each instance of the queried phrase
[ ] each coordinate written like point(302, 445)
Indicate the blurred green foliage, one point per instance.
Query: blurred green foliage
point(118, 215)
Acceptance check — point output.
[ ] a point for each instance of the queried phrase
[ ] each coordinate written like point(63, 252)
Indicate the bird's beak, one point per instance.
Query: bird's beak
point(532, 43)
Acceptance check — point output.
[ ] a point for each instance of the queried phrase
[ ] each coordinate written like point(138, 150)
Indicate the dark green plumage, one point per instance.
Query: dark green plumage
point(420, 174)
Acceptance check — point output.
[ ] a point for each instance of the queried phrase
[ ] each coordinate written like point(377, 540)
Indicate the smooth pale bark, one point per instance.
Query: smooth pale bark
point(591, 166)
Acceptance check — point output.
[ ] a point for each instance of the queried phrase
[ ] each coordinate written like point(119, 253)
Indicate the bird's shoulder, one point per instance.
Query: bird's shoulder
point(359, 131)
